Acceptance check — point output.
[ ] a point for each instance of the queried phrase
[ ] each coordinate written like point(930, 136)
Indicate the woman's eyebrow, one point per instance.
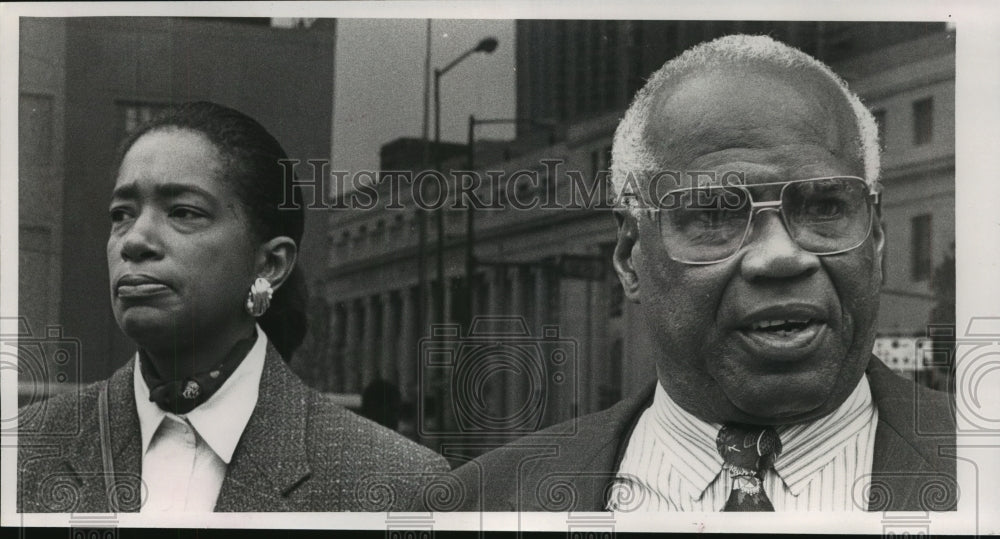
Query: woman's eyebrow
point(163, 190)
point(170, 190)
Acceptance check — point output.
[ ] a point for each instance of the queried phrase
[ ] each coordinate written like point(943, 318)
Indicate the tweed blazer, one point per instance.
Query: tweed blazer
point(571, 467)
point(299, 452)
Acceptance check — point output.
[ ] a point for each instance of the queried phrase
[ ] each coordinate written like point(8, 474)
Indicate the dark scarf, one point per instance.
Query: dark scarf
point(180, 396)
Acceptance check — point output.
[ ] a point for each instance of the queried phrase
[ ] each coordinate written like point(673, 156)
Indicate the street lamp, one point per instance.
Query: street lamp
point(486, 45)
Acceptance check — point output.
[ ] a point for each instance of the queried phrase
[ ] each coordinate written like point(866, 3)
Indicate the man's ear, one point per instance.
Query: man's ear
point(276, 260)
point(626, 252)
point(878, 235)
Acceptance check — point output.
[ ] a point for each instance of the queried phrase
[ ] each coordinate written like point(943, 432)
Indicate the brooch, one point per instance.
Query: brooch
point(191, 390)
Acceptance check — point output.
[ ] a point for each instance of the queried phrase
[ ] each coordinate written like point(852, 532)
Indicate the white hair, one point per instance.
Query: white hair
point(631, 155)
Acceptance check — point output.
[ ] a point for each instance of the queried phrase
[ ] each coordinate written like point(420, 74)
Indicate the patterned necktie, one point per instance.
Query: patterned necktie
point(748, 451)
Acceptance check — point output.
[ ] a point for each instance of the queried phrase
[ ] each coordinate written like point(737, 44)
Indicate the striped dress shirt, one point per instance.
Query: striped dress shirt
point(672, 464)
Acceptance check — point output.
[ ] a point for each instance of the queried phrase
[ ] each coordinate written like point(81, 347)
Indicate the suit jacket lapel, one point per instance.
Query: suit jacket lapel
point(897, 471)
point(906, 462)
point(586, 461)
point(126, 439)
point(84, 460)
point(270, 466)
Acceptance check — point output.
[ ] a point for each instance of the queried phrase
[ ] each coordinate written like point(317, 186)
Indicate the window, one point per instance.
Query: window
point(920, 247)
point(291, 22)
point(582, 69)
point(885, 253)
point(616, 299)
point(593, 65)
point(635, 57)
point(611, 56)
point(600, 164)
point(879, 115)
point(35, 130)
point(136, 114)
point(610, 391)
point(923, 121)
point(561, 60)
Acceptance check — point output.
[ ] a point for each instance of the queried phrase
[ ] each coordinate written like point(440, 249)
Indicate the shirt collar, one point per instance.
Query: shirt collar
point(221, 419)
point(806, 447)
point(690, 440)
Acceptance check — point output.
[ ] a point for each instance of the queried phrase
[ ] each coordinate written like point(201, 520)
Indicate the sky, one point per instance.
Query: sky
point(379, 84)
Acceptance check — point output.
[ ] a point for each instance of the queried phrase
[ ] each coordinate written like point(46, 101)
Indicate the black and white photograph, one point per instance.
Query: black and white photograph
point(409, 267)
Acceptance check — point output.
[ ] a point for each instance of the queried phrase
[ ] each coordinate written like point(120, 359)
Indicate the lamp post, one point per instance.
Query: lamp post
point(470, 230)
point(486, 45)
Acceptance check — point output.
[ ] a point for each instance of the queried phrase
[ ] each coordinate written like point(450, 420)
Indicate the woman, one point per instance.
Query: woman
point(207, 416)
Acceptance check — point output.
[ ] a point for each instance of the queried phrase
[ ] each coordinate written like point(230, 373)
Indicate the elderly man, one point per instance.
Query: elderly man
point(749, 235)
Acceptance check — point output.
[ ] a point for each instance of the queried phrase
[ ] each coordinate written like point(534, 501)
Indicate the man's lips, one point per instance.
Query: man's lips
point(139, 286)
point(783, 329)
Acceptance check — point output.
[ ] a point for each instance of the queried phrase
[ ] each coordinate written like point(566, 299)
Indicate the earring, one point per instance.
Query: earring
point(259, 298)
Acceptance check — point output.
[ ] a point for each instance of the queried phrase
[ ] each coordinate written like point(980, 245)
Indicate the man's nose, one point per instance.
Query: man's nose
point(772, 253)
point(142, 240)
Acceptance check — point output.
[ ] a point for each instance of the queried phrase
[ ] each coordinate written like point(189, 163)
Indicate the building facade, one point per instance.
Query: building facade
point(911, 90)
point(910, 87)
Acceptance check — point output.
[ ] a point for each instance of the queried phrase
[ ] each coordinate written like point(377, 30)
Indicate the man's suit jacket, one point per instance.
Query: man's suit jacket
point(567, 469)
point(299, 452)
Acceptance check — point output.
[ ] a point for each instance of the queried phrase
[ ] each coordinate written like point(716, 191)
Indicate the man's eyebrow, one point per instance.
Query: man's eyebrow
point(163, 190)
point(127, 191)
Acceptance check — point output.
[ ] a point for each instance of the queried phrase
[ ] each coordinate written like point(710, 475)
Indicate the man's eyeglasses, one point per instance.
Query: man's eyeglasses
point(824, 216)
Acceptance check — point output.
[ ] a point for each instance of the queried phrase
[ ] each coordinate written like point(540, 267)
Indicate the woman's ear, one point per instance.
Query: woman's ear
point(276, 260)
point(626, 252)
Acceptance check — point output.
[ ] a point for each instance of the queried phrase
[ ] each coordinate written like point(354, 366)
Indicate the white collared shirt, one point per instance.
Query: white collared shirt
point(184, 457)
point(672, 463)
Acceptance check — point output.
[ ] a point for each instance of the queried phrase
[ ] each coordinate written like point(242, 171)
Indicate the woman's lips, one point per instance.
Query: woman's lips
point(141, 290)
point(139, 286)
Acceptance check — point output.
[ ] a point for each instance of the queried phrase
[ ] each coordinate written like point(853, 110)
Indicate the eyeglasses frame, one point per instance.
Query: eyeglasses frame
point(873, 198)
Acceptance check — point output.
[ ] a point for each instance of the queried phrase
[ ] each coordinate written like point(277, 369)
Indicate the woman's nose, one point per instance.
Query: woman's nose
point(142, 241)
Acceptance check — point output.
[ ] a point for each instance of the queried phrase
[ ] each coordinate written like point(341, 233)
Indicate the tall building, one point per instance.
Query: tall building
point(570, 71)
point(84, 84)
point(551, 268)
